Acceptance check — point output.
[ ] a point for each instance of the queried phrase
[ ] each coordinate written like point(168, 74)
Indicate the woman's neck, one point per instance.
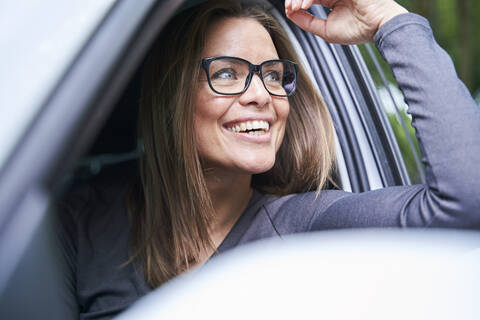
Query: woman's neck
point(230, 194)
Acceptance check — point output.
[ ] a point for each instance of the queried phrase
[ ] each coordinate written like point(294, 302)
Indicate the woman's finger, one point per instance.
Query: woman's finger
point(306, 4)
point(308, 22)
point(292, 5)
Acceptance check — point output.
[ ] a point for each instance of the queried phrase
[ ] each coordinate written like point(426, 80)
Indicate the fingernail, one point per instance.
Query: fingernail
point(295, 4)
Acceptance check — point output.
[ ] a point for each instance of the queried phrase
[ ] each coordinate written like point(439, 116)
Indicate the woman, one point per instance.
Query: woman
point(235, 137)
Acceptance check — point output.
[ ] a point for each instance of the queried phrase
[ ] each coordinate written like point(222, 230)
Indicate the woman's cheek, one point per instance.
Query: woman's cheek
point(282, 113)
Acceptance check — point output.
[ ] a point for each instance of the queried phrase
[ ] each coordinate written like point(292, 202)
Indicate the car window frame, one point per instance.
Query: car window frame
point(379, 148)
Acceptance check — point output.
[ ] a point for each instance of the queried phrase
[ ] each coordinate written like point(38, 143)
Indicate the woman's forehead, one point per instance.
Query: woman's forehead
point(240, 37)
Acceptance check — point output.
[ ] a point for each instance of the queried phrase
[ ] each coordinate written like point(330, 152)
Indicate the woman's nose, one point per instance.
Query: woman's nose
point(256, 93)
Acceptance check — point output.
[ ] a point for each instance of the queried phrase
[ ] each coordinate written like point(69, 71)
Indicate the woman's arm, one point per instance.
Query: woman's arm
point(448, 130)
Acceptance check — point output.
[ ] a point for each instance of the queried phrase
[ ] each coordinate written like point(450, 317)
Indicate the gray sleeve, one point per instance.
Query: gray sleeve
point(447, 123)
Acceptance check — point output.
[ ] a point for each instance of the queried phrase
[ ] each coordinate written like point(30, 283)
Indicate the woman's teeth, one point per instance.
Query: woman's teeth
point(255, 127)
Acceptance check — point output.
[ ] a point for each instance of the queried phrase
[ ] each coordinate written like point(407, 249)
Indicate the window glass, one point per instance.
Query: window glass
point(395, 107)
point(39, 39)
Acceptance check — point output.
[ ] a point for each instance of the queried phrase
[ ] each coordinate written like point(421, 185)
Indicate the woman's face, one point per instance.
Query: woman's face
point(219, 117)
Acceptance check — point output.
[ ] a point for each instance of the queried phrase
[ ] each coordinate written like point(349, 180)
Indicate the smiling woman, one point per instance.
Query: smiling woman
point(214, 151)
point(238, 146)
point(219, 148)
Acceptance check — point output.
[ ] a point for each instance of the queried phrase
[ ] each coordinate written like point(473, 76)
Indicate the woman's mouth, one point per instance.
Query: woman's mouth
point(251, 127)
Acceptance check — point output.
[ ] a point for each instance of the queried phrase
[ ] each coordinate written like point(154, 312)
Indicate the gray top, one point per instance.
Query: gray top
point(448, 126)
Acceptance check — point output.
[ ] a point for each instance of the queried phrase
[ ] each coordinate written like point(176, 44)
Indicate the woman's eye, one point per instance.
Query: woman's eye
point(272, 76)
point(225, 74)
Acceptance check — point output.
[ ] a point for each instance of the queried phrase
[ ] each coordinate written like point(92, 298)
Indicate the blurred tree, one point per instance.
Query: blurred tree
point(404, 146)
point(464, 15)
point(456, 24)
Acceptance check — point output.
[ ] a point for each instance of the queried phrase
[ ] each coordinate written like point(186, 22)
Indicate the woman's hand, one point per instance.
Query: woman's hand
point(350, 22)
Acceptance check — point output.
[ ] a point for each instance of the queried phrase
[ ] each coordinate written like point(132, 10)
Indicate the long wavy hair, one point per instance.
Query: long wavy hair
point(170, 207)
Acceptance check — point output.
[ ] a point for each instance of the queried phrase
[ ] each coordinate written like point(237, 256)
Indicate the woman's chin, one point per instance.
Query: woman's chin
point(256, 166)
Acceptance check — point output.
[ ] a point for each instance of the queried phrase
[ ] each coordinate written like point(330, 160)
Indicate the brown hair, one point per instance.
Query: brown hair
point(170, 207)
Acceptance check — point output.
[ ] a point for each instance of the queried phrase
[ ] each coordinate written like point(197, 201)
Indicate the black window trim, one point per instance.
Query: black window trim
point(337, 108)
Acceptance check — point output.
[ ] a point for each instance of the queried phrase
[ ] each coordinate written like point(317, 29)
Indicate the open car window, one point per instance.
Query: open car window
point(39, 40)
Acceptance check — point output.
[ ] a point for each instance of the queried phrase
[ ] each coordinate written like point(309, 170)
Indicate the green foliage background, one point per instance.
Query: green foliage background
point(456, 26)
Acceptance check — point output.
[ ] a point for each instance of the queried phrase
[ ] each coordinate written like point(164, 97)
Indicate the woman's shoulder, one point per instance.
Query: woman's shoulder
point(293, 213)
point(268, 215)
point(307, 200)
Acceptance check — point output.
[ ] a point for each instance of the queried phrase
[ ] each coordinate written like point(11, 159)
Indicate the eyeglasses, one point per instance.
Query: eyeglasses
point(232, 75)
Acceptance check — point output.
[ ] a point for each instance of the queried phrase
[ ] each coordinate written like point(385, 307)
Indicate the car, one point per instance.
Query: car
point(70, 84)
point(346, 274)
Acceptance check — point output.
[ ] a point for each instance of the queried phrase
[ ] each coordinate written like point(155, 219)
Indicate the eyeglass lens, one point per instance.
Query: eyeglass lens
point(230, 76)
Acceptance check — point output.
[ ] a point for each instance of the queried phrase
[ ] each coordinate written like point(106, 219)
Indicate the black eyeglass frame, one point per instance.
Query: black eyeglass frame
point(253, 68)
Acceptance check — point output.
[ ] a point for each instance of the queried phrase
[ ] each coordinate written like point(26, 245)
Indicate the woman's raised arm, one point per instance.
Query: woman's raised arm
point(444, 114)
